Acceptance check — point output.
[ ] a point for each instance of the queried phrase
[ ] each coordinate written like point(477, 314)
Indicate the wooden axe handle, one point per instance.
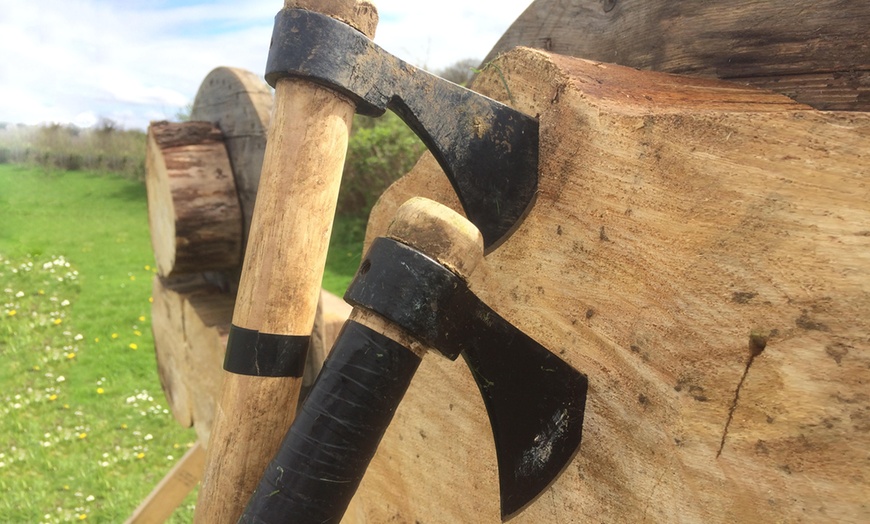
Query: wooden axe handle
point(282, 273)
point(328, 448)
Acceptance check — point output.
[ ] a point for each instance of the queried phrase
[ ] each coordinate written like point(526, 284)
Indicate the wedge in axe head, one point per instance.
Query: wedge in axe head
point(488, 150)
point(410, 294)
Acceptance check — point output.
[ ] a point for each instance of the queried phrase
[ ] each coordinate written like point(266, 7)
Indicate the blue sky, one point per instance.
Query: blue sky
point(74, 61)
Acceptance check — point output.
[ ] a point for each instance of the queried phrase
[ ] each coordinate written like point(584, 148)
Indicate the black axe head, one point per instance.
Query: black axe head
point(488, 150)
point(534, 399)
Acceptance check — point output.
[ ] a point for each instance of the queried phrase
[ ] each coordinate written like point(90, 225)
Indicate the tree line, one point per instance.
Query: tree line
point(380, 150)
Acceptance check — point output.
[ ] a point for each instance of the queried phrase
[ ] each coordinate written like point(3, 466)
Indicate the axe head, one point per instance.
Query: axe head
point(488, 150)
point(535, 402)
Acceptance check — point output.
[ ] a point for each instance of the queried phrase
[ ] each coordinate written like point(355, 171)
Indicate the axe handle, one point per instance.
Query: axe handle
point(325, 454)
point(281, 274)
point(279, 287)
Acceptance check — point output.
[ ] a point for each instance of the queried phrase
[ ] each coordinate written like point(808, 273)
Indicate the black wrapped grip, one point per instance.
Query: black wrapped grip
point(337, 431)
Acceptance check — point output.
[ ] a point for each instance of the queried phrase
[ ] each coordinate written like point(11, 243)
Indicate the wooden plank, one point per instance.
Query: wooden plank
point(162, 502)
point(701, 251)
point(815, 51)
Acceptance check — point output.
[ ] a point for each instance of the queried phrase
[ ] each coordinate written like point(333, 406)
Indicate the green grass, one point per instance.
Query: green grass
point(85, 433)
point(345, 253)
point(84, 428)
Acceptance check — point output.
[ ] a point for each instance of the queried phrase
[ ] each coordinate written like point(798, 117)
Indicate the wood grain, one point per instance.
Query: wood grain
point(206, 328)
point(700, 250)
point(286, 253)
point(193, 208)
point(169, 343)
point(816, 52)
point(359, 14)
point(239, 103)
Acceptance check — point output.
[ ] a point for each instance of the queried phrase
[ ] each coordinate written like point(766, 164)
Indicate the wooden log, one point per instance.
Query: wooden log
point(814, 51)
point(207, 318)
point(193, 209)
point(191, 321)
point(239, 102)
point(700, 250)
point(282, 272)
point(170, 344)
point(334, 312)
point(191, 324)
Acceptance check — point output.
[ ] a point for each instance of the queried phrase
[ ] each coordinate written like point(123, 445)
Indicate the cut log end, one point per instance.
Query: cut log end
point(193, 207)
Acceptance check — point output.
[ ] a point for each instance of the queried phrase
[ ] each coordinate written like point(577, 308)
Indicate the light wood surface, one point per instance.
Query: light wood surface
point(359, 14)
point(193, 208)
point(206, 328)
point(700, 250)
point(170, 346)
point(815, 51)
point(281, 276)
point(279, 287)
point(191, 320)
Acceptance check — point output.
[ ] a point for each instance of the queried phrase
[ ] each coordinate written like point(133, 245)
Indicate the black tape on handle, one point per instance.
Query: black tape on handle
point(335, 435)
point(256, 354)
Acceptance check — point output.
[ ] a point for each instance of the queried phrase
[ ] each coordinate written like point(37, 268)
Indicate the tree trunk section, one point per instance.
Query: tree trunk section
point(814, 51)
point(700, 250)
point(239, 103)
point(170, 342)
point(207, 318)
point(193, 207)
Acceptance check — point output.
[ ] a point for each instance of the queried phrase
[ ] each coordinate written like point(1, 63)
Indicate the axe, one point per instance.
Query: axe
point(324, 67)
point(410, 296)
point(281, 277)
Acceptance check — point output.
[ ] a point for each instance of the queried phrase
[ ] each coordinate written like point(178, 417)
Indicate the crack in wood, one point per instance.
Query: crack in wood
point(757, 343)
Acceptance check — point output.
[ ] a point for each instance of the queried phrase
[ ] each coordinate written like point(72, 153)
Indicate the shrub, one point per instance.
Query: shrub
point(106, 148)
point(379, 152)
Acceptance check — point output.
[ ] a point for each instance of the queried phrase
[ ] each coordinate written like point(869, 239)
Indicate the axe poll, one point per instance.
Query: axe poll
point(410, 296)
point(324, 67)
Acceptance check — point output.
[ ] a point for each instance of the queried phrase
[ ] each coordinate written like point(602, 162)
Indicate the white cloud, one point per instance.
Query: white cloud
point(133, 62)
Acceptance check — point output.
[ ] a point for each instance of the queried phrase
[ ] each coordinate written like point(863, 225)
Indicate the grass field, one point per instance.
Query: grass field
point(84, 428)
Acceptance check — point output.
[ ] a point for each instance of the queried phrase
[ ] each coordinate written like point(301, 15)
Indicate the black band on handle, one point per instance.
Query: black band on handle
point(256, 354)
point(336, 432)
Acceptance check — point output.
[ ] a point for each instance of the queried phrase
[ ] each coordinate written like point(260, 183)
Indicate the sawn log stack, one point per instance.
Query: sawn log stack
point(198, 228)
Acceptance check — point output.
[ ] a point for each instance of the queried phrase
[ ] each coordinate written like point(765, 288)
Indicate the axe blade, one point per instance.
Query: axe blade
point(535, 402)
point(534, 399)
point(488, 150)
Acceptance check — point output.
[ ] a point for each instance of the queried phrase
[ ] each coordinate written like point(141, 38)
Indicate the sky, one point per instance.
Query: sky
point(76, 61)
